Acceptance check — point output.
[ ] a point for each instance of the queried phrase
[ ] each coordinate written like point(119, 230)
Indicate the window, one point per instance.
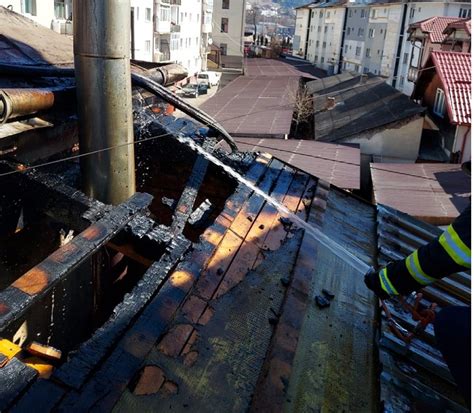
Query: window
point(320, 14)
point(319, 29)
point(316, 59)
point(312, 14)
point(324, 45)
point(325, 29)
point(412, 13)
point(357, 51)
point(464, 13)
point(348, 30)
point(328, 14)
point(174, 41)
point(367, 52)
point(438, 107)
point(373, 13)
point(224, 25)
point(381, 31)
point(29, 6)
point(322, 59)
point(372, 33)
point(360, 32)
point(223, 48)
point(378, 52)
point(148, 14)
point(350, 13)
point(317, 43)
point(405, 58)
point(366, 70)
point(362, 13)
point(225, 4)
point(345, 48)
point(402, 81)
point(180, 42)
point(165, 14)
point(147, 45)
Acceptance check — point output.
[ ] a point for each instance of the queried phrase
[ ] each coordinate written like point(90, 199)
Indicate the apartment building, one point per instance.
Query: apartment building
point(54, 14)
point(228, 23)
point(326, 34)
point(374, 35)
point(142, 30)
point(302, 27)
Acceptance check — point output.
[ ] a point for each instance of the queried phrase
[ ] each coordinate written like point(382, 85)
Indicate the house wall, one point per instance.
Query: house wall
point(301, 31)
point(233, 39)
point(463, 138)
point(396, 141)
point(44, 10)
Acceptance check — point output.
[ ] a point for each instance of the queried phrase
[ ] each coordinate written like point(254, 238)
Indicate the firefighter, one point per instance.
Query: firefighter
point(449, 253)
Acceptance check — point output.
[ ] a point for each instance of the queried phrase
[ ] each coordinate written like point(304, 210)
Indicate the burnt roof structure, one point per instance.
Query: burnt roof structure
point(359, 103)
point(198, 292)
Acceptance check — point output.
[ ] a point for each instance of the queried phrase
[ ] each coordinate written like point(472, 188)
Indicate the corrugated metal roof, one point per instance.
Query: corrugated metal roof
point(432, 192)
point(454, 69)
point(362, 103)
point(336, 164)
point(254, 105)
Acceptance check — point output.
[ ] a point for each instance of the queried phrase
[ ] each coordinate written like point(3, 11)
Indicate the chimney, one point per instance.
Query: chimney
point(104, 94)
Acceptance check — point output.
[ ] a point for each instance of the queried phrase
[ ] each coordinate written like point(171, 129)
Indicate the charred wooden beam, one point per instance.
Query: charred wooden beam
point(185, 205)
point(15, 377)
point(37, 282)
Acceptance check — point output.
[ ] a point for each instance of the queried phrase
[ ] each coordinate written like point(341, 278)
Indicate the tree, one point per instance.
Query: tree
point(302, 103)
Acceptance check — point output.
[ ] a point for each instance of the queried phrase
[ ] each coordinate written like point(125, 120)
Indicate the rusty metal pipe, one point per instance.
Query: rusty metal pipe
point(104, 91)
point(21, 102)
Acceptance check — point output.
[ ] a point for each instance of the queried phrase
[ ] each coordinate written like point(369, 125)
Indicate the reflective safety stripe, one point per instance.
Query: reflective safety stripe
point(386, 284)
point(414, 268)
point(456, 249)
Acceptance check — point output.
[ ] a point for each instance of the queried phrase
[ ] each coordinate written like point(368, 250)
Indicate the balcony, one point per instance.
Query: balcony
point(175, 28)
point(162, 26)
point(206, 28)
point(175, 2)
point(161, 56)
point(412, 74)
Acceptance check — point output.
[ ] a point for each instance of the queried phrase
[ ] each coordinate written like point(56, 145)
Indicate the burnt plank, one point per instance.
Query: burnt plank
point(42, 396)
point(76, 371)
point(15, 377)
point(39, 280)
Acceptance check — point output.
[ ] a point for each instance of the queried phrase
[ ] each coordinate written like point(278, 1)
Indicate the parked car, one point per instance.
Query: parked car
point(210, 78)
point(194, 89)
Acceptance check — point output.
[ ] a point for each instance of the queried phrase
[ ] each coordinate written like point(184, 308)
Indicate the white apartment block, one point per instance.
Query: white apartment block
point(325, 37)
point(142, 39)
point(53, 14)
point(228, 22)
point(302, 27)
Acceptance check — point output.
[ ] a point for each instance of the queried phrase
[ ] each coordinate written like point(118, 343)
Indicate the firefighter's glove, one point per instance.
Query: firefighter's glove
point(372, 281)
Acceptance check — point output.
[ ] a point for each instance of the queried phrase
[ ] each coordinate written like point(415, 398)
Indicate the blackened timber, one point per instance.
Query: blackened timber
point(42, 396)
point(38, 281)
point(185, 205)
point(77, 370)
point(106, 386)
point(15, 377)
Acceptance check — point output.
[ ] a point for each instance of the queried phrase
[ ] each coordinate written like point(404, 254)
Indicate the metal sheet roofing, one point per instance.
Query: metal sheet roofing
point(254, 105)
point(280, 67)
point(432, 192)
point(434, 27)
point(336, 164)
point(454, 69)
point(362, 103)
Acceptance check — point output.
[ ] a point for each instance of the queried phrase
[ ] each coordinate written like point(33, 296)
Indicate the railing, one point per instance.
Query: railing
point(175, 28)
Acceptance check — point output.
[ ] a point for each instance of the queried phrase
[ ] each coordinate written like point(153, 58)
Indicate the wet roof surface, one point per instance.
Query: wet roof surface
point(336, 164)
point(431, 192)
point(254, 105)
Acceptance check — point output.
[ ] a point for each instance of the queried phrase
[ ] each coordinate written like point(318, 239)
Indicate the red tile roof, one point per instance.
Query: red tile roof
point(461, 24)
point(454, 69)
point(435, 26)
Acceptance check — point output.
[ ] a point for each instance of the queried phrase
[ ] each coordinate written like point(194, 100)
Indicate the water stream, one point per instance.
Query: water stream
point(318, 235)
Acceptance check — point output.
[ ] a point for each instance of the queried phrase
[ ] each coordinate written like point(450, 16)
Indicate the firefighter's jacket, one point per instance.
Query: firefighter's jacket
point(448, 254)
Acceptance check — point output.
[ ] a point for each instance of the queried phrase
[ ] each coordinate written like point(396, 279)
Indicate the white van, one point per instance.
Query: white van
point(209, 78)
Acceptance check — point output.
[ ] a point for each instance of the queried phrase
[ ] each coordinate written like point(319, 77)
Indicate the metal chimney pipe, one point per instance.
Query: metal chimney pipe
point(104, 92)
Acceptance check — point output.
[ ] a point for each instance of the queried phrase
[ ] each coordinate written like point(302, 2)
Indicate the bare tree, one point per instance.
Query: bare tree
point(302, 103)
